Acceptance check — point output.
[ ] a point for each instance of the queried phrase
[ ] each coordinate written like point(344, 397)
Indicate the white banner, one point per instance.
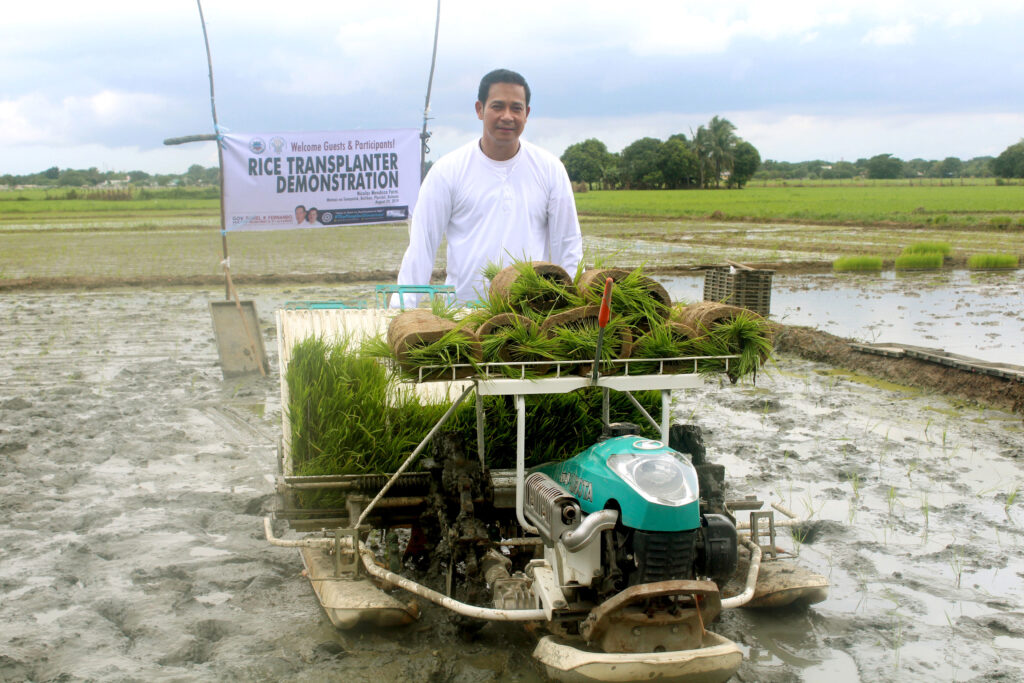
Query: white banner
point(280, 181)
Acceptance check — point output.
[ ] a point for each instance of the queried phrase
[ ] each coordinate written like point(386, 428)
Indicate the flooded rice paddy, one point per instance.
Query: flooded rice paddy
point(977, 314)
point(134, 479)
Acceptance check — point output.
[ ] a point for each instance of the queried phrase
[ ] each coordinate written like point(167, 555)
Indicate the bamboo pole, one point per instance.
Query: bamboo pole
point(220, 155)
point(424, 135)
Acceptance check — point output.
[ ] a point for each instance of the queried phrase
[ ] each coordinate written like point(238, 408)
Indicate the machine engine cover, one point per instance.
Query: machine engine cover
point(654, 487)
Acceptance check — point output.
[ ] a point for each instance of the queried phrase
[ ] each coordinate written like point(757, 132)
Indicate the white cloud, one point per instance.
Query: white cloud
point(963, 16)
point(793, 137)
point(891, 34)
point(36, 118)
point(34, 158)
point(787, 137)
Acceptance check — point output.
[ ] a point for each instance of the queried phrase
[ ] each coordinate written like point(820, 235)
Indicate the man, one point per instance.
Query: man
point(496, 199)
point(300, 214)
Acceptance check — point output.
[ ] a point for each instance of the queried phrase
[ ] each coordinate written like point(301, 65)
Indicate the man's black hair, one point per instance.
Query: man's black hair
point(501, 76)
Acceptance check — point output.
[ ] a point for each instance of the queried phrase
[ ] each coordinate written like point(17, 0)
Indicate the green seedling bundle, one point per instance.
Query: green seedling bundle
point(920, 261)
point(984, 261)
point(861, 263)
point(350, 414)
point(534, 321)
point(643, 301)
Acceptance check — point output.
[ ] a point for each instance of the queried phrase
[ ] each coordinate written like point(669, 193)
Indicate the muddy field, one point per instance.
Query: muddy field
point(134, 479)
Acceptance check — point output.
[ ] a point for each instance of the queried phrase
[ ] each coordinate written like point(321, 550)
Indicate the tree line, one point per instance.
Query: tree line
point(880, 166)
point(711, 157)
point(195, 176)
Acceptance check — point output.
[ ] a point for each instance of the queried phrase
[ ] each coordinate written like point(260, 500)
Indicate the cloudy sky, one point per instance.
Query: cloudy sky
point(103, 83)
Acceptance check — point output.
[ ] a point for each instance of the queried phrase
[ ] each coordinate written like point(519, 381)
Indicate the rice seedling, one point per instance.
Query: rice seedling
point(454, 347)
point(519, 341)
point(857, 263)
point(664, 340)
point(577, 339)
point(348, 416)
point(633, 295)
point(956, 562)
point(897, 643)
point(855, 484)
point(444, 307)
point(747, 335)
point(538, 295)
point(798, 534)
point(927, 248)
point(925, 261)
point(486, 307)
point(490, 270)
point(983, 261)
point(344, 417)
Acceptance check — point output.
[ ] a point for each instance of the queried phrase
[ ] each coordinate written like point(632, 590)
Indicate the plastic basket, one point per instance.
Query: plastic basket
point(750, 289)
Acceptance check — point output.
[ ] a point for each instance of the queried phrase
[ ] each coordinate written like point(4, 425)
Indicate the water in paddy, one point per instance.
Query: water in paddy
point(977, 314)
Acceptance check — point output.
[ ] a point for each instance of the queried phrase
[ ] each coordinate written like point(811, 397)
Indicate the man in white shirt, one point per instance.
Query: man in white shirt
point(496, 199)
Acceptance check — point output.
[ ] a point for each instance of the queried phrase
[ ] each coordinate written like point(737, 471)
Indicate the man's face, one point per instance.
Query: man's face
point(300, 214)
point(504, 115)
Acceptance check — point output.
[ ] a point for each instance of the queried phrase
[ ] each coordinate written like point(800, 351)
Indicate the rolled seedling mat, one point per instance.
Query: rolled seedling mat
point(714, 322)
point(419, 327)
point(495, 326)
point(701, 317)
point(591, 286)
point(502, 285)
point(680, 333)
point(618, 338)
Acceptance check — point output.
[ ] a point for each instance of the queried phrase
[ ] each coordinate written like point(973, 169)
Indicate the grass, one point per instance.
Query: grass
point(857, 263)
point(927, 248)
point(924, 261)
point(868, 203)
point(982, 261)
point(15, 203)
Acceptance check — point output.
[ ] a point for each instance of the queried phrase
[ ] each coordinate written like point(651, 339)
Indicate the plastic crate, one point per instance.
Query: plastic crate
point(750, 289)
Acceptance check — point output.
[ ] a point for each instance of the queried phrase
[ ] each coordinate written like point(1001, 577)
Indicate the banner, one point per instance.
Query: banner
point(280, 181)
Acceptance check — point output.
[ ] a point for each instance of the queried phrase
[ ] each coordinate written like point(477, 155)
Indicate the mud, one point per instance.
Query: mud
point(134, 479)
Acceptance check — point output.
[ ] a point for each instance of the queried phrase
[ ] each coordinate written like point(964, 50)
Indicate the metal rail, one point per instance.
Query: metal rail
point(752, 572)
point(369, 561)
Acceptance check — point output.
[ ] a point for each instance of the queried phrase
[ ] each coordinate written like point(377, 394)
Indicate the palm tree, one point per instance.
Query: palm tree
point(723, 143)
point(701, 145)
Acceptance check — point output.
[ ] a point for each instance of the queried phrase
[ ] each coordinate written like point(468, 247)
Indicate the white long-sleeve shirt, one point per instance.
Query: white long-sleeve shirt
point(492, 211)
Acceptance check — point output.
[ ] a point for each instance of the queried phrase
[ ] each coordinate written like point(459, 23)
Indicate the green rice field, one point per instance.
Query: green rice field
point(967, 204)
point(179, 237)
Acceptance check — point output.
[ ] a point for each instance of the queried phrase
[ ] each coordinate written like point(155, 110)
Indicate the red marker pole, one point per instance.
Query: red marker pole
point(602, 322)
